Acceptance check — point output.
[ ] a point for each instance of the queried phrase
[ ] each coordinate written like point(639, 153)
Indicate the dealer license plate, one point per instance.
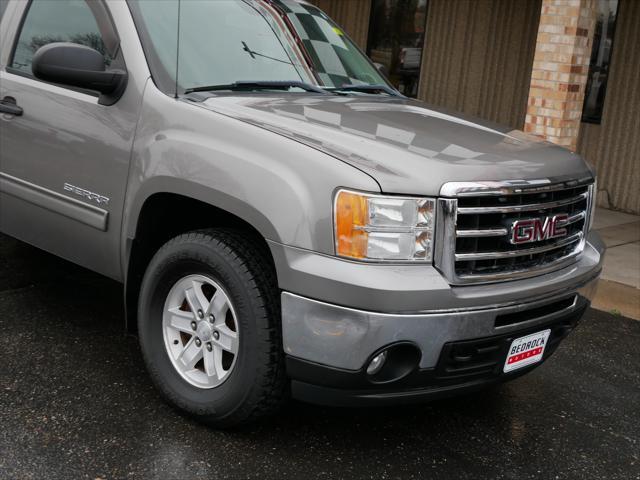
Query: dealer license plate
point(526, 351)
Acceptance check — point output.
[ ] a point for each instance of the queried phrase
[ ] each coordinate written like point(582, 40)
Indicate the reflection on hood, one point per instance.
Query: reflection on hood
point(407, 146)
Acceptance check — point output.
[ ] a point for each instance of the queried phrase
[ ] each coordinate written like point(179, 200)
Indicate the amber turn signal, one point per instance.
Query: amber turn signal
point(351, 211)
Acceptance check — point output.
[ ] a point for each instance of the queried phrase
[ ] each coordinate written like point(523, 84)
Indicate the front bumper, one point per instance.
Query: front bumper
point(329, 346)
point(460, 366)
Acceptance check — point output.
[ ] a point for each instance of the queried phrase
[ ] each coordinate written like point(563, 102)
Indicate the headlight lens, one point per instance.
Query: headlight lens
point(374, 227)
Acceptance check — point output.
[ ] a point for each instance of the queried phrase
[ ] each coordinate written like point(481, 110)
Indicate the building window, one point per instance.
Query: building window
point(396, 41)
point(600, 60)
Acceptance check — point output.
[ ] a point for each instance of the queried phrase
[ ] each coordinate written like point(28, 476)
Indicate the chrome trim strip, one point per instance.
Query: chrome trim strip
point(591, 205)
point(575, 218)
point(55, 202)
point(518, 253)
point(510, 187)
point(523, 208)
point(493, 232)
point(445, 237)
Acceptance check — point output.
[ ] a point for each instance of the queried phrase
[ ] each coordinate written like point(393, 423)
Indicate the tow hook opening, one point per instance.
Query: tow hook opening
point(393, 363)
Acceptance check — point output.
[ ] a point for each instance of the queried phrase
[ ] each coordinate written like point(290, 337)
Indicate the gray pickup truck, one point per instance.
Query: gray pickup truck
point(285, 223)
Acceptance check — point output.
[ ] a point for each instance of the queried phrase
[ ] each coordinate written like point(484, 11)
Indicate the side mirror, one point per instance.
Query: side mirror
point(77, 66)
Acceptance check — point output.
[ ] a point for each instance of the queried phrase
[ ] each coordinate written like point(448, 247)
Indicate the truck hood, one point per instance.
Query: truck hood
point(406, 146)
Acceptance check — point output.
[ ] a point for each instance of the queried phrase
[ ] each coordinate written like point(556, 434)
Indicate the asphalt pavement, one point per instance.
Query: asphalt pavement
point(76, 403)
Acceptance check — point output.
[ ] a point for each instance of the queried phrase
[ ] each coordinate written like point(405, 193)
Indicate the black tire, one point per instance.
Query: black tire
point(256, 386)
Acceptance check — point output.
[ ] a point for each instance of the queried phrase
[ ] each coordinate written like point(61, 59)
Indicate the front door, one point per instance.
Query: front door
point(64, 158)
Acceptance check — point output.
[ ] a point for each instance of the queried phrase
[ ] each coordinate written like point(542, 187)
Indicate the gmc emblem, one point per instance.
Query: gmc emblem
point(538, 229)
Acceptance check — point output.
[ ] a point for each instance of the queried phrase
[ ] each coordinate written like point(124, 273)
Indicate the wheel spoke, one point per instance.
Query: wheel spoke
point(202, 300)
point(192, 300)
point(190, 354)
point(228, 339)
point(219, 306)
point(210, 364)
point(196, 299)
point(213, 363)
point(180, 320)
point(217, 361)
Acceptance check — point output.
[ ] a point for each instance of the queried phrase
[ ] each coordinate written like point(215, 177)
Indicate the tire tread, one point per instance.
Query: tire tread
point(251, 261)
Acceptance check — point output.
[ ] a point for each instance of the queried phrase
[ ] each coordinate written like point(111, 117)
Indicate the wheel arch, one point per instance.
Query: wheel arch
point(162, 214)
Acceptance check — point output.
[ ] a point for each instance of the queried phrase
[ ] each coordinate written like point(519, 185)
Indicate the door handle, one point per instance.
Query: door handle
point(8, 105)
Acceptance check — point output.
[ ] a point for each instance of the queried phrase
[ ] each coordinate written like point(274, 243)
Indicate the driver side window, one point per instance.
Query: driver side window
point(56, 21)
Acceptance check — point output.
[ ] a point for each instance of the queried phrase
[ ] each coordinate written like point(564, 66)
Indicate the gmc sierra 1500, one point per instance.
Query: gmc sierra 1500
point(283, 220)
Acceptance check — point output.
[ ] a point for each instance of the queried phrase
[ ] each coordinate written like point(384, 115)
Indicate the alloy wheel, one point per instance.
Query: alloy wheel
point(200, 331)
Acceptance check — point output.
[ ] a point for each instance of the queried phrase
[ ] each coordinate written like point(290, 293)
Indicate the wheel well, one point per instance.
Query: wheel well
point(163, 217)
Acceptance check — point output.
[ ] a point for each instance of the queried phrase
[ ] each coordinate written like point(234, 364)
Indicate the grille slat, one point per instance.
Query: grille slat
point(531, 207)
point(518, 253)
point(482, 248)
point(491, 232)
point(576, 218)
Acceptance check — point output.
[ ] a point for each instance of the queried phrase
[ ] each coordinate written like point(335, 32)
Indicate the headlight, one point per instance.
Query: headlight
point(375, 227)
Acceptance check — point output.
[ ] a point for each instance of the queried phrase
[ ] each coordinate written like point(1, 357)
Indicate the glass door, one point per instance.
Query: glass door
point(396, 41)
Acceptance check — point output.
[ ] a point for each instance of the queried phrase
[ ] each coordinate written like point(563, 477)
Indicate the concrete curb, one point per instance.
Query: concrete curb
point(617, 298)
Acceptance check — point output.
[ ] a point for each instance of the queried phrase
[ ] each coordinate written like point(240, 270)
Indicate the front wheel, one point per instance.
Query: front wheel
point(209, 327)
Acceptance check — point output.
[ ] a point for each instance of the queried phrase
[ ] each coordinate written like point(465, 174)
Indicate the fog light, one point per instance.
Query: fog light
point(376, 363)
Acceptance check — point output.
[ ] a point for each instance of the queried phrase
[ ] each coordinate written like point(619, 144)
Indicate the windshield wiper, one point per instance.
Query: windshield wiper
point(248, 86)
point(366, 89)
point(255, 54)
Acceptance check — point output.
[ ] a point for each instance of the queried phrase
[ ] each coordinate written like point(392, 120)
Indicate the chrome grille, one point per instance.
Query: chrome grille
point(475, 227)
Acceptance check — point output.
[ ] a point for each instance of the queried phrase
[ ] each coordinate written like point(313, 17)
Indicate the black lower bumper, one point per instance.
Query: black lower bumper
point(463, 366)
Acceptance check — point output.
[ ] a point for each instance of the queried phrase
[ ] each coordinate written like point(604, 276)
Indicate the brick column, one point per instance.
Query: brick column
point(560, 68)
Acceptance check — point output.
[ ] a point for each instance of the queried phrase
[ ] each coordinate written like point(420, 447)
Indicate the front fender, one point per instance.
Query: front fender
point(284, 189)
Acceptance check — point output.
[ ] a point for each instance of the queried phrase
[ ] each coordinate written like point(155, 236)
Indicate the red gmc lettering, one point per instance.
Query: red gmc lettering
point(536, 229)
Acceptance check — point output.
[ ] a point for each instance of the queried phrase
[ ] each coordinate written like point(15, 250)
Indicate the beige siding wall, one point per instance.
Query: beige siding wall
point(614, 145)
point(478, 53)
point(478, 57)
point(352, 15)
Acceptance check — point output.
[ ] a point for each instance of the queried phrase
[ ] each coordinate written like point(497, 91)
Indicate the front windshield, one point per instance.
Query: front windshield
point(199, 43)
